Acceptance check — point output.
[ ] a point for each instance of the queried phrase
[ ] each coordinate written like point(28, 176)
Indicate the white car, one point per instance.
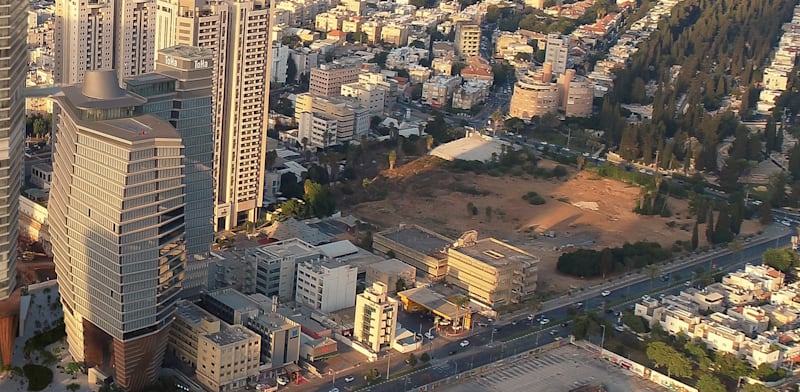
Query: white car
point(349, 379)
point(645, 297)
point(544, 321)
point(530, 317)
point(605, 293)
point(464, 343)
point(620, 328)
point(429, 335)
point(282, 380)
point(334, 390)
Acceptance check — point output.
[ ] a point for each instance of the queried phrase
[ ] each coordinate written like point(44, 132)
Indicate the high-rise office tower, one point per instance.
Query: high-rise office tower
point(116, 214)
point(13, 69)
point(104, 34)
point(237, 32)
point(179, 91)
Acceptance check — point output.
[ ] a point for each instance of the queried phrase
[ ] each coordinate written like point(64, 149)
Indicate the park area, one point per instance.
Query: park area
point(539, 211)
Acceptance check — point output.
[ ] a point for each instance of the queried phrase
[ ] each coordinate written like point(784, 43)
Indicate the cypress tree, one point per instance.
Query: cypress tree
point(695, 239)
point(710, 226)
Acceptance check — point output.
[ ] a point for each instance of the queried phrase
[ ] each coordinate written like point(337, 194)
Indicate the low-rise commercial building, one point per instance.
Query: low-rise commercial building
point(418, 247)
point(326, 286)
point(491, 271)
point(327, 79)
point(280, 339)
point(390, 272)
point(276, 263)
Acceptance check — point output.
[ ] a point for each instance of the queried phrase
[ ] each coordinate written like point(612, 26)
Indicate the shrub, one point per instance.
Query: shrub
point(39, 377)
point(533, 198)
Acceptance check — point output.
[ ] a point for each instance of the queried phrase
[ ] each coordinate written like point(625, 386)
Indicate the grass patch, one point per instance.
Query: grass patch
point(408, 371)
point(39, 377)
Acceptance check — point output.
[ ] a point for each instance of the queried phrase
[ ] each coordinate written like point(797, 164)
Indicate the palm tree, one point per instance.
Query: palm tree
point(459, 301)
point(392, 159)
point(497, 120)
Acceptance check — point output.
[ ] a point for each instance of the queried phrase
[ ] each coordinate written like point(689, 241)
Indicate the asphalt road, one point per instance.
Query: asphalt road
point(522, 334)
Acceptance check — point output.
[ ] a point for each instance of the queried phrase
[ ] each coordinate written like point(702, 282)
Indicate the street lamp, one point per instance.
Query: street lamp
point(492, 340)
point(333, 372)
point(602, 339)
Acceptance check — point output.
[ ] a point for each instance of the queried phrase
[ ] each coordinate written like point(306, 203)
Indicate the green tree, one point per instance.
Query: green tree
point(710, 226)
point(635, 323)
point(709, 383)
point(412, 360)
point(722, 232)
point(756, 388)
point(664, 356)
point(729, 365)
point(764, 213)
point(695, 239)
point(320, 200)
point(781, 259)
point(424, 357)
point(400, 285)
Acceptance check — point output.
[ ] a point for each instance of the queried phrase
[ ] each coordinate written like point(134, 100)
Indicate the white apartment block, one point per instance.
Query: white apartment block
point(280, 61)
point(326, 286)
point(557, 52)
point(276, 266)
point(316, 130)
point(376, 318)
point(115, 34)
point(370, 96)
point(237, 32)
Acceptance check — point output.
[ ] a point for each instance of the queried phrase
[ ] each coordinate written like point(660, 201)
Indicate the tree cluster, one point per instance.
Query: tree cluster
point(318, 201)
point(784, 260)
point(590, 263)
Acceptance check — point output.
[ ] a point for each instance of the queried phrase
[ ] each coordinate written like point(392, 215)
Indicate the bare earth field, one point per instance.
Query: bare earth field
point(420, 192)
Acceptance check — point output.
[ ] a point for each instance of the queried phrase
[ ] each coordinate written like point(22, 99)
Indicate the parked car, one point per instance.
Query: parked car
point(349, 378)
point(605, 293)
point(464, 343)
point(530, 317)
point(544, 321)
point(645, 297)
point(429, 335)
point(282, 380)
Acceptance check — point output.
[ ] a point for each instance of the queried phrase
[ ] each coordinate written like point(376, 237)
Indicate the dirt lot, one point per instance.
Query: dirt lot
point(421, 192)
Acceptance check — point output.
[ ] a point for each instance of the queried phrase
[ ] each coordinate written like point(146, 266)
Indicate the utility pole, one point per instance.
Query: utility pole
point(602, 339)
point(388, 362)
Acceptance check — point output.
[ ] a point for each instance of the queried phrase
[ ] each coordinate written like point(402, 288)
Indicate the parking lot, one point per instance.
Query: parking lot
point(561, 369)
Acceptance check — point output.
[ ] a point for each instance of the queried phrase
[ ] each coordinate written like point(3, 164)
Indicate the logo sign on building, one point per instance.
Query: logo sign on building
point(169, 60)
point(200, 64)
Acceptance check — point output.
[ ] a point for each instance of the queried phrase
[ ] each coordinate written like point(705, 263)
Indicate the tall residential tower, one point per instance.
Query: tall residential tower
point(116, 214)
point(13, 69)
point(237, 32)
point(104, 34)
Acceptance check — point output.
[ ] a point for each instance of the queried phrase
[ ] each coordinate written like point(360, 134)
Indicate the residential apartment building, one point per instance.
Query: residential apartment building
point(395, 34)
point(317, 130)
point(276, 265)
point(228, 358)
point(534, 95)
point(376, 318)
point(327, 79)
point(116, 34)
point(191, 321)
point(326, 286)
point(557, 52)
point(416, 246)
point(117, 221)
point(180, 91)
point(468, 39)
point(237, 33)
point(576, 94)
point(371, 97)
point(471, 93)
point(352, 119)
point(439, 89)
point(280, 339)
point(13, 64)
point(492, 271)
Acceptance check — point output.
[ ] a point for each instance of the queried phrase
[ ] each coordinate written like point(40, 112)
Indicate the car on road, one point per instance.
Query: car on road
point(664, 278)
point(334, 389)
point(619, 327)
point(530, 317)
point(605, 293)
point(578, 305)
point(482, 324)
point(565, 324)
point(553, 332)
point(429, 336)
point(645, 297)
point(609, 310)
point(464, 343)
point(514, 322)
point(349, 378)
point(544, 321)
point(687, 283)
point(282, 380)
